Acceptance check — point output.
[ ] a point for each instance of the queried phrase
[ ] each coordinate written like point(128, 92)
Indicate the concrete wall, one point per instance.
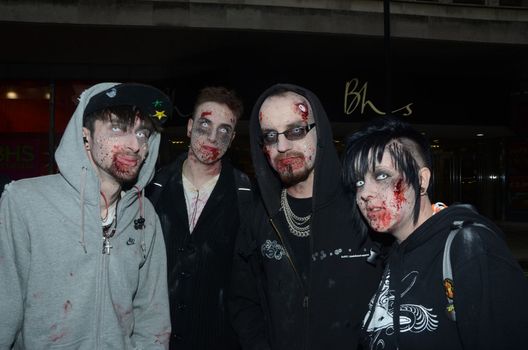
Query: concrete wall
point(410, 19)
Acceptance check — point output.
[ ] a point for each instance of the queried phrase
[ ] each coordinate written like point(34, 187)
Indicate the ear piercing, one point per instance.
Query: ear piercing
point(86, 144)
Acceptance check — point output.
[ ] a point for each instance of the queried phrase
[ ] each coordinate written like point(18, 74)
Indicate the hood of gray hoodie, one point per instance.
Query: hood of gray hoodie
point(76, 168)
point(74, 164)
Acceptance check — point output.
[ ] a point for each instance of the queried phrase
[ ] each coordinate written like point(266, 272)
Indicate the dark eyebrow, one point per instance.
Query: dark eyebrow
point(298, 124)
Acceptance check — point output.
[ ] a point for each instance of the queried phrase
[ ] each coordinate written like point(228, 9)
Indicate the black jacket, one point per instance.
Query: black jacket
point(271, 306)
point(199, 264)
point(490, 290)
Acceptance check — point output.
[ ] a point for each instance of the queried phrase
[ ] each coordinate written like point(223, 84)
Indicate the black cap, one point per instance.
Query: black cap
point(149, 100)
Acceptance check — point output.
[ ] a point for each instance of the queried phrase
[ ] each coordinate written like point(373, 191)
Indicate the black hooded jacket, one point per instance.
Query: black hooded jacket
point(490, 290)
point(271, 306)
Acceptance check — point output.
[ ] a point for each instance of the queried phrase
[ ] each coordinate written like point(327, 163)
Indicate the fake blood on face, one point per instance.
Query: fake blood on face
point(290, 164)
point(124, 164)
point(302, 109)
point(379, 217)
point(211, 153)
point(380, 220)
point(205, 113)
point(399, 195)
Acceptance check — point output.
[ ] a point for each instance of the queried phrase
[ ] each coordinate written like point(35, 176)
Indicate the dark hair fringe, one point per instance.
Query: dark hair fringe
point(222, 95)
point(125, 114)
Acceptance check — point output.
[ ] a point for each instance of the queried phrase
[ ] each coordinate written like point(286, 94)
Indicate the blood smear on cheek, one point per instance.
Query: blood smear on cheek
point(399, 195)
point(380, 220)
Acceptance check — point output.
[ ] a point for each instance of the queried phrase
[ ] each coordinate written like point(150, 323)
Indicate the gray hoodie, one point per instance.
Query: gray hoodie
point(57, 289)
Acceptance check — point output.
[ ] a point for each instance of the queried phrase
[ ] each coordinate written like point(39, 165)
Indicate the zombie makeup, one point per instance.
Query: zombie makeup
point(385, 199)
point(293, 160)
point(211, 132)
point(302, 109)
point(119, 149)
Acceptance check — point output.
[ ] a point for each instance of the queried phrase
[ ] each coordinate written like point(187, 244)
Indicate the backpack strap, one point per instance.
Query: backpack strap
point(447, 271)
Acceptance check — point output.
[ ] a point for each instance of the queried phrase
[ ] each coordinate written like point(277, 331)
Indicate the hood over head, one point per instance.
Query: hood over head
point(76, 168)
point(71, 156)
point(327, 168)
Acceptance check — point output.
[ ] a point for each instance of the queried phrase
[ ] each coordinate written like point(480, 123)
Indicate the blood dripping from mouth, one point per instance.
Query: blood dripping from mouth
point(211, 153)
point(121, 167)
point(381, 218)
point(290, 164)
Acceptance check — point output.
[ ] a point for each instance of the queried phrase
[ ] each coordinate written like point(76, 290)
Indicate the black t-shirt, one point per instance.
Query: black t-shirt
point(300, 246)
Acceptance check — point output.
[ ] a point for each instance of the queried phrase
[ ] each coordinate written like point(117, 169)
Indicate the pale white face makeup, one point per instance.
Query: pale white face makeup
point(117, 149)
point(211, 131)
point(385, 199)
point(293, 160)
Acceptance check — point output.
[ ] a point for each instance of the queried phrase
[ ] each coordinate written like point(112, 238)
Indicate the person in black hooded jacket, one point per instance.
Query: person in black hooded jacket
point(482, 305)
point(301, 279)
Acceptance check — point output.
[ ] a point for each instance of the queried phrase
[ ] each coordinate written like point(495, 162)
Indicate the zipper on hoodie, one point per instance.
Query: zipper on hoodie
point(101, 295)
point(99, 300)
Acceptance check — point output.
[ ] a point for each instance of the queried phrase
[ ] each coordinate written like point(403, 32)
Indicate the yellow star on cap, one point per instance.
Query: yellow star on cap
point(160, 115)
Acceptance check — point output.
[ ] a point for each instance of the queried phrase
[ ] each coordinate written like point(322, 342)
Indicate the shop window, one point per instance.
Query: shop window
point(27, 110)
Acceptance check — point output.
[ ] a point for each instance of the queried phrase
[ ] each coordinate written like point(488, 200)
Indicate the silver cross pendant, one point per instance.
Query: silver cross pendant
point(106, 246)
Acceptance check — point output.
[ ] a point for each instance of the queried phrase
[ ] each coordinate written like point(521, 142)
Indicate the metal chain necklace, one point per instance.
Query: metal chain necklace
point(109, 230)
point(298, 225)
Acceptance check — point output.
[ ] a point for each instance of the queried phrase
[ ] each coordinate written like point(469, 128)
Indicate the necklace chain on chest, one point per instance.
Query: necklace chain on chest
point(299, 225)
point(109, 232)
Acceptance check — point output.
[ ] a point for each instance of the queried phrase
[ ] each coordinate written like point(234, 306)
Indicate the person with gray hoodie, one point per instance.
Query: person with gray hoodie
point(82, 257)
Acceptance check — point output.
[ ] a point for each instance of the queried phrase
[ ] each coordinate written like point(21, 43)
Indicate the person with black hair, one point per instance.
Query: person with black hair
point(198, 197)
point(450, 281)
point(82, 257)
point(301, 277)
